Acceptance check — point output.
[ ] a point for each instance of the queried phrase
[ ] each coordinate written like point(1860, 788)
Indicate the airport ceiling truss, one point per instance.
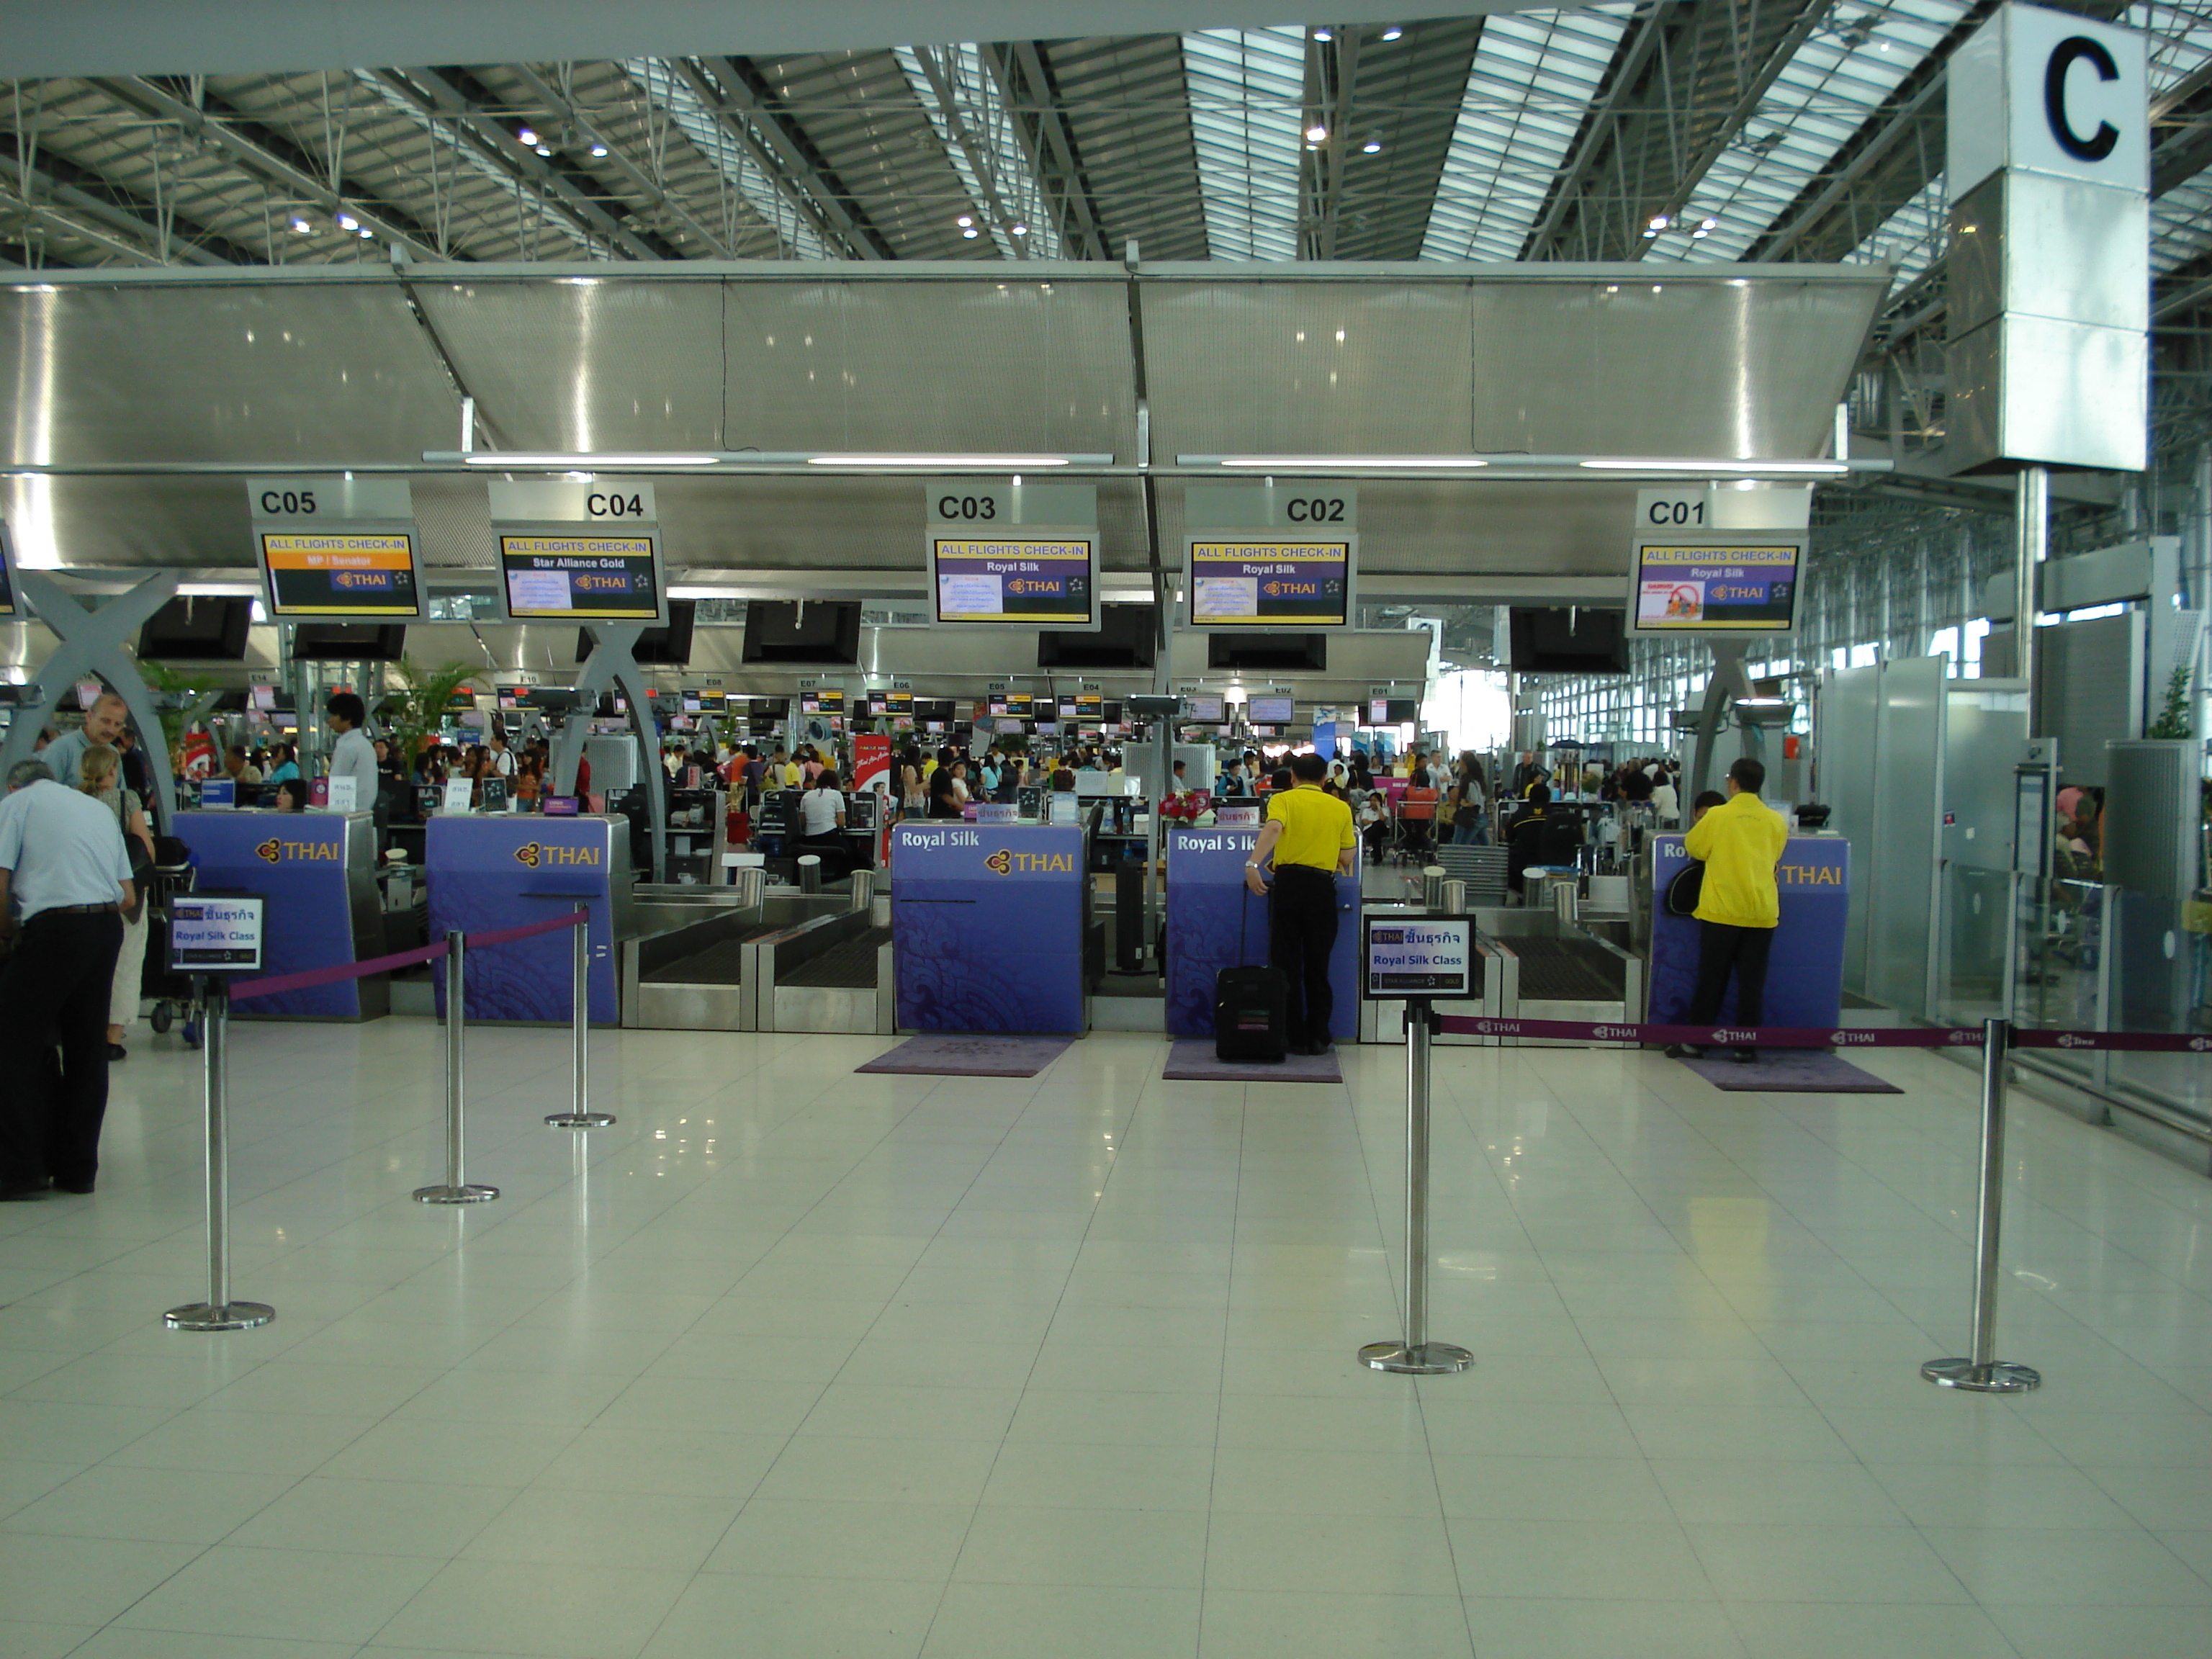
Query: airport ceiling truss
point(1678, 130)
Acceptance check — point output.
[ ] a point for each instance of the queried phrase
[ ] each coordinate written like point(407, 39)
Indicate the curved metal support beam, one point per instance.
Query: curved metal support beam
point(89, 644)
point(612, 666)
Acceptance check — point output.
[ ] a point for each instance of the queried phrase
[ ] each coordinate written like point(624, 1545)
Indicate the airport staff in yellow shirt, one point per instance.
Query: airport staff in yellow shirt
point(1310, 836)
point(1740, 843)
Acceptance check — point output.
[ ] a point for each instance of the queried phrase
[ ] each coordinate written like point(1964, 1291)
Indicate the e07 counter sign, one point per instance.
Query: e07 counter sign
point(1420, 956)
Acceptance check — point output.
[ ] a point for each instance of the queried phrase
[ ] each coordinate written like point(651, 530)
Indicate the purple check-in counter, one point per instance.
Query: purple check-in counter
point(1805, 964)
point(489, 871)
point(987, 926)
point(318, 871)
point(1215, 921)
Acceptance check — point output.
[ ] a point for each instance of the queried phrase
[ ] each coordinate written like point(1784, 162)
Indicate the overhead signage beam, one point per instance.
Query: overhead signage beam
point(1715, 584)
point(581, 551)
point(337, 549)
point(1010, 554)
point(1266, 556)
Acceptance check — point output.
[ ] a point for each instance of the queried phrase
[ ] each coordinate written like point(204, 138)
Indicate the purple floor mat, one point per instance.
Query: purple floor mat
point(1792, 1072)
point(1191, 1061)
point(954, 1055)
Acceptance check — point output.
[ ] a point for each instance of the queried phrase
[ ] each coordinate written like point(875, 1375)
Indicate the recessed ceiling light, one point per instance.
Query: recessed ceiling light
point(1316, 134)
point(347, 221)
point(1018, 230)
point(1658, 222)
point(972, 233)
point(1392, 32)
point(1712, 224)
point(543, 149)
point(1324, 34)
point(527, 135)
point(300, 227)
point(1370, 147)
point(964, 221)
point(598, 149)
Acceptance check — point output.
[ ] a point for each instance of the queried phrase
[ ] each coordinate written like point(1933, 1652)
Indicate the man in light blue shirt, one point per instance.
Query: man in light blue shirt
point(353, 755)
point(103, 723)
point(66, 874)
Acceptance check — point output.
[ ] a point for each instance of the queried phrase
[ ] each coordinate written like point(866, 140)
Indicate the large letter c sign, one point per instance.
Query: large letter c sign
point(2099, 144)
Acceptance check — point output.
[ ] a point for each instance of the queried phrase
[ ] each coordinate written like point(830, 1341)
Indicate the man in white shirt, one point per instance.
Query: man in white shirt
point(64, 879)
point(503, 758)
point(353, 755)
point(103, 723)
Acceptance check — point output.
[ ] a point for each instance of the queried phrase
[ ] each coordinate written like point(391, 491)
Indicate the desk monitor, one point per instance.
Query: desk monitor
point(1203, 710)
point(860, 810)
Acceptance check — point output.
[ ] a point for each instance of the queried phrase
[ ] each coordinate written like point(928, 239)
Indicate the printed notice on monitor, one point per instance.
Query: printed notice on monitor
point(959, 595)
point(538, 590)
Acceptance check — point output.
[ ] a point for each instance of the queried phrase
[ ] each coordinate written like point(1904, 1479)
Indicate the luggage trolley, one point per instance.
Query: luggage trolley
point(171, 877)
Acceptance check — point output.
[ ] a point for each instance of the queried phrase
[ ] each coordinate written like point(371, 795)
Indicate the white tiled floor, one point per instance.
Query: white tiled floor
point(797, 1361)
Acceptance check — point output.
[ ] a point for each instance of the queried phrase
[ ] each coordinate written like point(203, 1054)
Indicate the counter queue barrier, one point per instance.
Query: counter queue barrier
point(1978, 1372)
point(219, 1312)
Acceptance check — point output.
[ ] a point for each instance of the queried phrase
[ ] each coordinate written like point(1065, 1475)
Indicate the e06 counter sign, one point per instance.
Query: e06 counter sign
point(220, 935)
point(1420, 956)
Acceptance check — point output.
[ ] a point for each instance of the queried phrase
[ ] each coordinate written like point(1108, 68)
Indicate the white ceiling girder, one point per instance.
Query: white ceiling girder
point(247, 37)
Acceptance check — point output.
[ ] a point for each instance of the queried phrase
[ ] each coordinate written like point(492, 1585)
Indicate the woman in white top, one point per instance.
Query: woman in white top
point(100, 777)
point(821, 809)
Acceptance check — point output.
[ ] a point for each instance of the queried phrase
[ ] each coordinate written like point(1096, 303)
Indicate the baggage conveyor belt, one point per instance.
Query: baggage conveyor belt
point(848, 967)
point(719, 963)
point(1567, 969)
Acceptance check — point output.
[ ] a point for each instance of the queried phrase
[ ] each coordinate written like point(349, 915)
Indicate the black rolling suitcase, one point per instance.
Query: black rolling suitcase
point(1251, 1011)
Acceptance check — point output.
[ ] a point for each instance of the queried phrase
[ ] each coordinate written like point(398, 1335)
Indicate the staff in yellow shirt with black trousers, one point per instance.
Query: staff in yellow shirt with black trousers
point(1308, 835)
point(1740, 843)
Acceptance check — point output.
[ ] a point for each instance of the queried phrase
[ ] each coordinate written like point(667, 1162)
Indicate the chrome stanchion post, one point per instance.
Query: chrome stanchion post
point(454, 1190)
point(1981, 1371)
point(218, 1312)
point(1417, 1356)
point(579, 1023)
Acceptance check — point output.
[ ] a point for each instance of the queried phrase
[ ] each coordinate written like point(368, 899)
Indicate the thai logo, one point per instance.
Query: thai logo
point(1627, 1033)
point(1960, 1037)
point(1000, 862)
point(2070, 1040)
point(1841, 1039)
point(270, 851)
point(529, 853)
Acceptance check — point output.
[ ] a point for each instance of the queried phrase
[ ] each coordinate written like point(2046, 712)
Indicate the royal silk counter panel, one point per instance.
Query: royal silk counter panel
point(1215, 921)
point(1805, 966)
point(987, 927)
point(317, 872)
point(494, 870)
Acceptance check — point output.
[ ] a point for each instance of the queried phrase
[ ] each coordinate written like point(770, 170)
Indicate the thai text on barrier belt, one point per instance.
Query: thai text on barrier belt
point(1819, 1037)
point(275, 984)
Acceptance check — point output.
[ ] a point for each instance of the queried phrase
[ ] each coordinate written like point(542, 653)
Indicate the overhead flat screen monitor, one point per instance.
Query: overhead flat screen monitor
point(809, 631)
point(1128, 637)
point(1034, 584)
point(587, 578)
point(1270, 711)
point(1022, 704)
point(1576, 640)
point(822, 700)
point(197, 629)
point(1204, 710)
point(1256, 583)
point(1283, 653)
point(656, 647)
point(349, 643)
point(1746, 585)
point(261, 698)
point(8, 608)
point(340, 573)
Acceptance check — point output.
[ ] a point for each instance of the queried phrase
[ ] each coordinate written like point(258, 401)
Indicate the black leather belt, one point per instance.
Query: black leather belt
point(76, 910)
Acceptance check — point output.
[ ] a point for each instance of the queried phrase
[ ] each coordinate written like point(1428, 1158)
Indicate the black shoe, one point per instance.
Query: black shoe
point(1321, 1045)
point(115, 1051)
point(1745, 1056)
point(80, 1187)
point(1684, 1051)
point(19, 1195)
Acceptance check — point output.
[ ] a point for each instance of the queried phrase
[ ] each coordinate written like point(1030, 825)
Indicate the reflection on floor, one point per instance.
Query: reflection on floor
point(795, 1361)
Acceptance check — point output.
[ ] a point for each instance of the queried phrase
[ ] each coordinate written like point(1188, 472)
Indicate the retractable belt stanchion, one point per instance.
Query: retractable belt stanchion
point(576, 1117)
point(1417, 1356)
point(455, 1190)
point(1981, 1371)
point(218, 1312)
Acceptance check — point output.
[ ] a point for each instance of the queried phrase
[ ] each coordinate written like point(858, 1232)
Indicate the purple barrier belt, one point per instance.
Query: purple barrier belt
point(1799, 1036)
point(509, 935)
point(277, 983)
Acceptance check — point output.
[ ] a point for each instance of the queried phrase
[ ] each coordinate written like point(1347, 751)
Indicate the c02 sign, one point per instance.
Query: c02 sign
point(969, 508)
point(612, 504)
point(1319, 509)
point(287, 503)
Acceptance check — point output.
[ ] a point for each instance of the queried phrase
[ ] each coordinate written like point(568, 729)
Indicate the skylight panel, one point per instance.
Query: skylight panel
point(1247, 91)
point(1834, 81)
point(1533, 77)
point(1005, 190)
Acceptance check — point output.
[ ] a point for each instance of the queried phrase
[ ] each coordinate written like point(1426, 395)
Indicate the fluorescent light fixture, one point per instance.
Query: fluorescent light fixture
point(219, 590)
point(1656, 464)
point(681, 591)
point(1344, 463)
point(1011, 463)
point(533, 460)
